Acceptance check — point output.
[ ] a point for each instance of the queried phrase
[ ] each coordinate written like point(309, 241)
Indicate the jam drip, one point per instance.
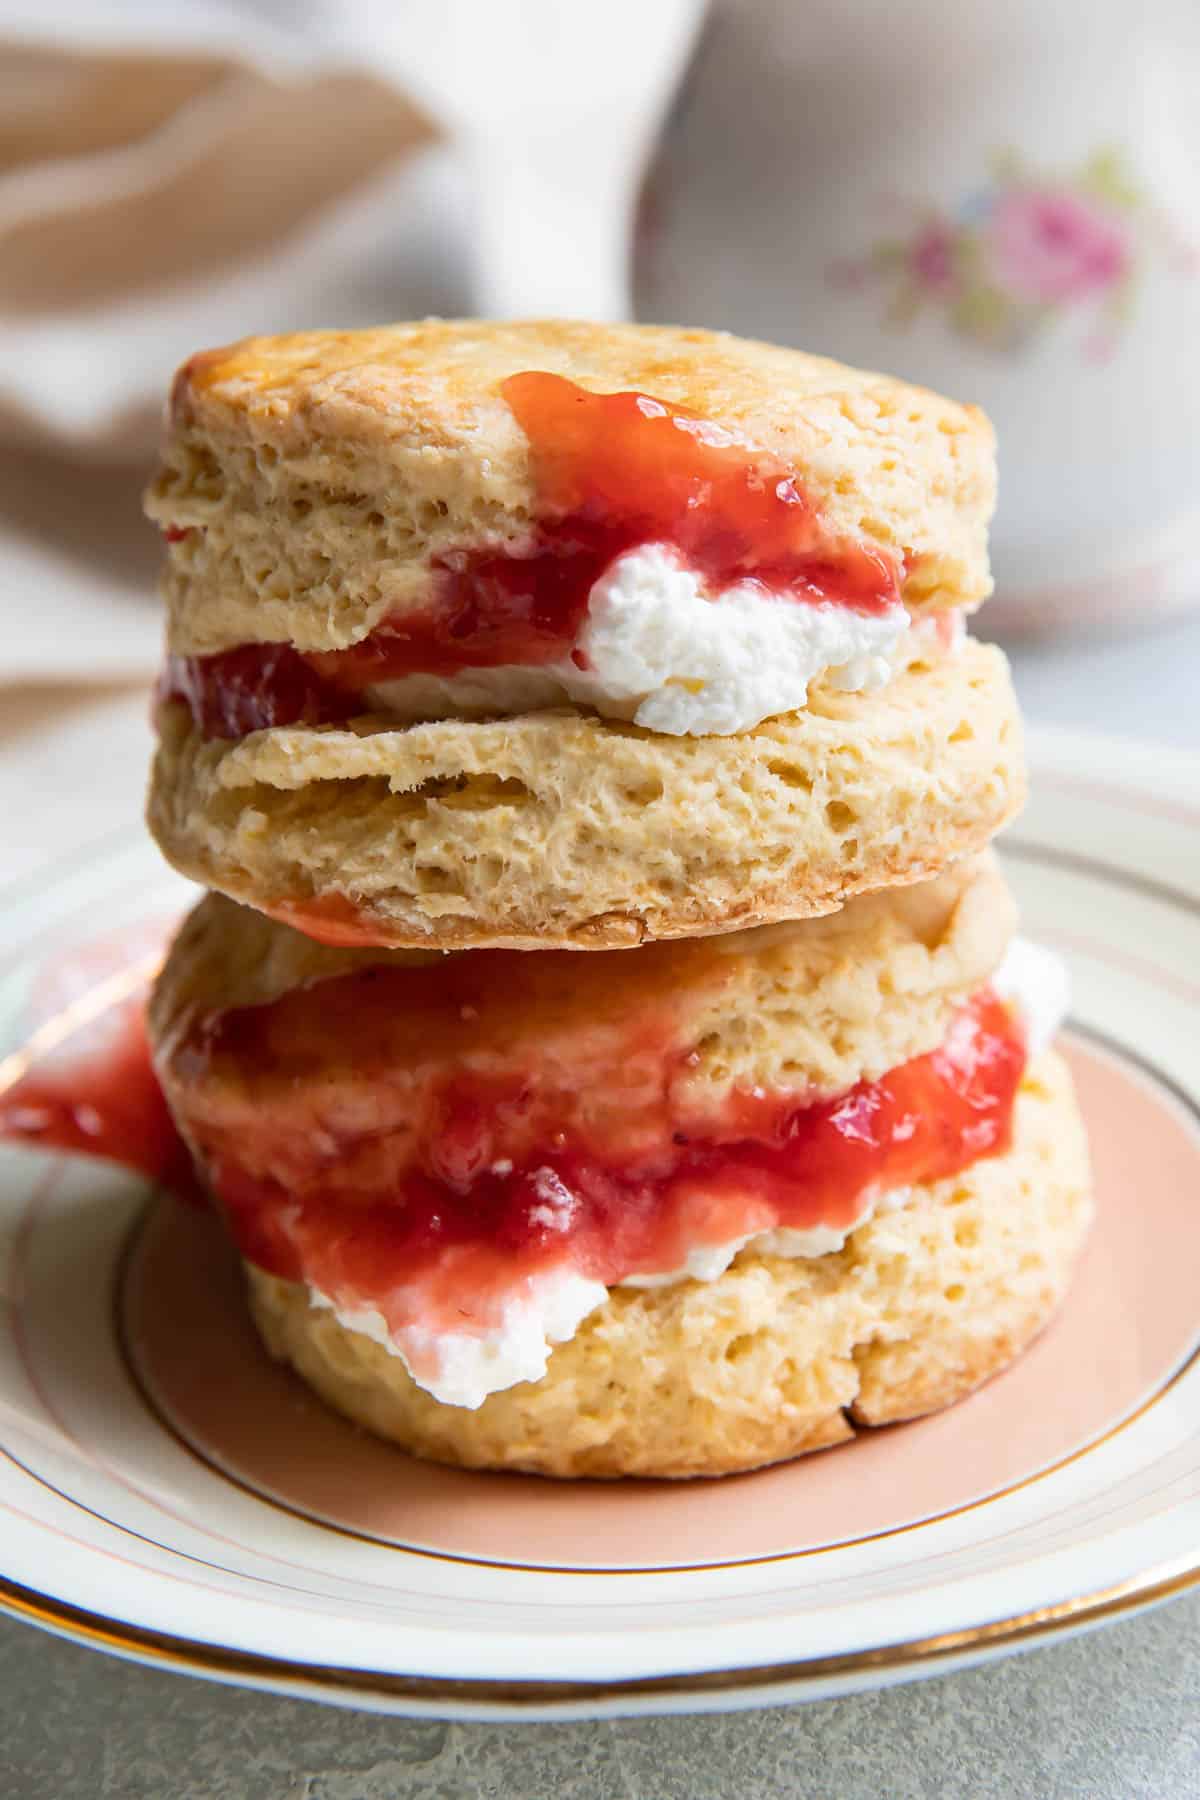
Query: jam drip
point(642, 472)
point(253, 688)
point(611, 472)
point(436, 1208)
point(106, 1103)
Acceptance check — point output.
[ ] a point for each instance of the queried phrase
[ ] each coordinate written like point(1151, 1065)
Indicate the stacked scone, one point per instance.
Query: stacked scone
point(494, 644)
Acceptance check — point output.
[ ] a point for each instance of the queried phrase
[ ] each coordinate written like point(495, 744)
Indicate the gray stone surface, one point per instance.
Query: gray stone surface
point(1114, 1715)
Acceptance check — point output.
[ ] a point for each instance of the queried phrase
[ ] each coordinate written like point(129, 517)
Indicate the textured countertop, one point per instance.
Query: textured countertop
point(1113, 1715)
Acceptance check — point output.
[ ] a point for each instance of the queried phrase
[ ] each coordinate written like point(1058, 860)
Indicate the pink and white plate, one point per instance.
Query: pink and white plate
point(168, 1494)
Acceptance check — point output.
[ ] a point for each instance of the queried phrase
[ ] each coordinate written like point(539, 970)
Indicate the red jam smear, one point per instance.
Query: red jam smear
point(610, 471)
point(429, 1200)
point(643, 471)
point(253, 688)
point(106, 1103)
point(330, 919)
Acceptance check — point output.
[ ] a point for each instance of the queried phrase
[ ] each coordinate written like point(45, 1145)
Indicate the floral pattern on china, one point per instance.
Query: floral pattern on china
point(1024, 249)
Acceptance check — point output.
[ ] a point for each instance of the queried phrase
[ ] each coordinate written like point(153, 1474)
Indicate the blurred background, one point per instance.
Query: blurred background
point(1001, 199)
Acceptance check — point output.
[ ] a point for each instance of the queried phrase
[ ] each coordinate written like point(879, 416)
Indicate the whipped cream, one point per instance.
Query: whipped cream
point(462, 1368)
point(1035, 982)
point(657, 649)
point(712, 1260)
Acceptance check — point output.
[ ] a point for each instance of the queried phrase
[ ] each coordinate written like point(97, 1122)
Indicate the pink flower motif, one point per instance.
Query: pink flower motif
point(1049, 247)
point(932, 257)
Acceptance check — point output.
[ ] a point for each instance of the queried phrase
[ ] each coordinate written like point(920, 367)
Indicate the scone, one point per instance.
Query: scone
point(555, 634)
point(676, 1211)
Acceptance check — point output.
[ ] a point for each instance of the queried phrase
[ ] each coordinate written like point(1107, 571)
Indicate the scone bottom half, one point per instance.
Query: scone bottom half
point(676, 1213)
point(561, 830)
point(549, 634)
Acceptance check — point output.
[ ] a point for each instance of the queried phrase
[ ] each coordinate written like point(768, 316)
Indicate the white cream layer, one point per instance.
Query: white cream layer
point(462, 1368)
point(657, 649)
point(1035, 981)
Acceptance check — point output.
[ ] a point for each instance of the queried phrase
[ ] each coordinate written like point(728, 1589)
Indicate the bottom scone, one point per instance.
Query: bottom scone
point(667, 1211)
point(776, 1356)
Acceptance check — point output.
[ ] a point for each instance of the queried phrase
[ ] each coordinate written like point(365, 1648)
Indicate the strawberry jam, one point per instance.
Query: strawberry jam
point(610, 472)
point(251, 689)
point(471, 1132)
point(105, 1103)
point(448, 1155)
point(329, 919)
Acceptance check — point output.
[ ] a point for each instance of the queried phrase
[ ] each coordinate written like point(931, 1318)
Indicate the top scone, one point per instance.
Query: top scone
point(555, 633)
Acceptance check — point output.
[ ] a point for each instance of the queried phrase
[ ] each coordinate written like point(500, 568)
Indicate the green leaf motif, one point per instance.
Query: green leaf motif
point(1104, 176)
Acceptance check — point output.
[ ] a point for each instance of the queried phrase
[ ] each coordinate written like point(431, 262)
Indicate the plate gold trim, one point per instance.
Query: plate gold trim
point(220, 1662)
point(160, 1415)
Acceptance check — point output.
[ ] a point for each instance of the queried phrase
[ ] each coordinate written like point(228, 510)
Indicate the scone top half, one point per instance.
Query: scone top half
point(462, 519)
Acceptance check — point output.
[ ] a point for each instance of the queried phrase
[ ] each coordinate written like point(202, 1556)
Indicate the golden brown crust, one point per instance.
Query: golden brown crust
point(561, 829)
point(775, 1356)
point(813, 1006)
point(325, 470)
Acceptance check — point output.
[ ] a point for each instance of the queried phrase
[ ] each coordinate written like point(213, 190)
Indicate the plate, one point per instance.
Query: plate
point(168, 1494)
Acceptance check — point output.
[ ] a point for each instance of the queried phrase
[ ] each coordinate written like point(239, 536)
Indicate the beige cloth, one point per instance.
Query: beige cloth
point(178, 175)
point(152, 200)
point(149, 204)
